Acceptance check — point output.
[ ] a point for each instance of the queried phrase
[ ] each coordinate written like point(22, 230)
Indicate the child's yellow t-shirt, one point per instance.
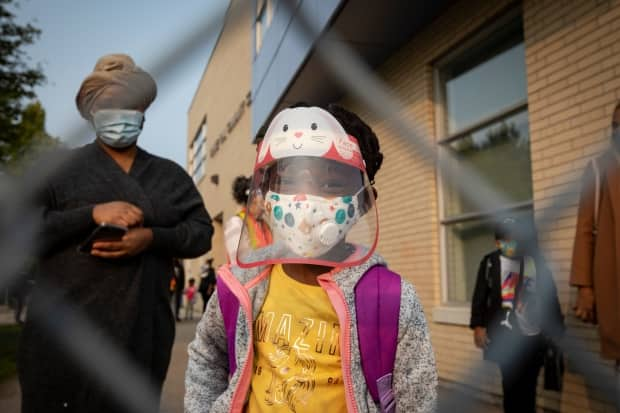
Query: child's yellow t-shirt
point(297, 350)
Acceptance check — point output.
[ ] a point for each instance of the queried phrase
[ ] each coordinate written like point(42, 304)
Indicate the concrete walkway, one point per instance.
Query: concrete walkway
point(6, 315)
point(174, 387)
point(10, 396)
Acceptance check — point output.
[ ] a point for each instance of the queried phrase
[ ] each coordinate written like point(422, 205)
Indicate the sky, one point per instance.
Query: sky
point(75, 33)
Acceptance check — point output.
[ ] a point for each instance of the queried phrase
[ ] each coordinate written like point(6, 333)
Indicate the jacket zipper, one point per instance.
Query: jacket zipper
point(240, 394)
point(337, 299)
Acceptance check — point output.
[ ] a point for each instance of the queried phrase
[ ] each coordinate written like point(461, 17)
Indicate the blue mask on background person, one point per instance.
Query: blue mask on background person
point(118, 128)
point(509, 249)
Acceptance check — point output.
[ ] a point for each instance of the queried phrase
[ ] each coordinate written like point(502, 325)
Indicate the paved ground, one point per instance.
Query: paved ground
point(6, 315)
point(9, 396)
point(174, 387)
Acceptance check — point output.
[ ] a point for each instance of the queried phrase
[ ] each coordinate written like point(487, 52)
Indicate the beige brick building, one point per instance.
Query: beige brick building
point(218, 138)
point(549, 71)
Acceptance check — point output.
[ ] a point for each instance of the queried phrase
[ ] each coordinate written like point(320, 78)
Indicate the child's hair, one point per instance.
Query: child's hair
point(192, 281)
point(521, 230)
point(241, 189)
point(506, 228)
point(366, 138)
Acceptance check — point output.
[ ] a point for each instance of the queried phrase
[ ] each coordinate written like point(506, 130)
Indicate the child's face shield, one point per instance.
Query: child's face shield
point(315, 176)
point(318, 207)
point(316, 210)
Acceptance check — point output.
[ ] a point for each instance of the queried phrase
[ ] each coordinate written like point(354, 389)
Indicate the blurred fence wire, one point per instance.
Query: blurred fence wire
point(20, 222)
point(360, 81)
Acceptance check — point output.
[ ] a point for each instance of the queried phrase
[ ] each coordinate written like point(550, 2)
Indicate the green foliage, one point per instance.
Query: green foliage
point(9, 340)
point(22, 124)
point(31, 138)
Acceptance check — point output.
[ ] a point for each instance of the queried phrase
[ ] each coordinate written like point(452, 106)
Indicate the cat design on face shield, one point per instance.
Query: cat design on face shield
point(307, 131)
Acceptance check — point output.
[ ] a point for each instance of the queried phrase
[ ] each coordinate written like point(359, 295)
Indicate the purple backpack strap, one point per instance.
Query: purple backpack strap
point(377, 305)
point(229, 306)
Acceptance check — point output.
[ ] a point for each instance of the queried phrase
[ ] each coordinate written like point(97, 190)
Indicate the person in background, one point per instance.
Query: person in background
point(173, 287)
point(514, 307)
point(595, 270)
point(179, 285)
point(207, 283)
point(190, 299)
point(20, 292)
point(258, 233)
point(119, 286)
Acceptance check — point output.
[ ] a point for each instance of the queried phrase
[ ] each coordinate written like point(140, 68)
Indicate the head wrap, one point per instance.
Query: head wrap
point(139, 88)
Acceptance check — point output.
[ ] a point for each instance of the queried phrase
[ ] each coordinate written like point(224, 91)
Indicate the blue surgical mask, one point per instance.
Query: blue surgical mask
point(509, 248)
point(118, 128)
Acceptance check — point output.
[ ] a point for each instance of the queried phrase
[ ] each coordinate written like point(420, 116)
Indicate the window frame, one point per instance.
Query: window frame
point(457, 312)
point(264, 8)
point(200, 139)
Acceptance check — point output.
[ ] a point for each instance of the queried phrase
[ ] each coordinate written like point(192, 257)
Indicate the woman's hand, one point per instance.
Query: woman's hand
point(584, 309)
point(480, 337)
point(133, 243)
point(118, 213)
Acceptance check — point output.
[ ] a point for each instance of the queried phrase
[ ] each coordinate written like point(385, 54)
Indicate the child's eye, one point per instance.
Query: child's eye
point(284, 128)
point(313, 126)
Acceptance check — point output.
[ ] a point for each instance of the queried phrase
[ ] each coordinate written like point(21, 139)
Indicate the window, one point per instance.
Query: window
point(264, 15)
point(483, 124)
point(198, 151)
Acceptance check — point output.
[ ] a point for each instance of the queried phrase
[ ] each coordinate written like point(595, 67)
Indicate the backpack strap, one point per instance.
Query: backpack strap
point(597, 193)
point(487, 269)
point(229, 306)
point(377, 305)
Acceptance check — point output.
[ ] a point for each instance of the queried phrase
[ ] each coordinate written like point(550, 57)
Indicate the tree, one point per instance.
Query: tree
point(21, 122)
point(31, 137)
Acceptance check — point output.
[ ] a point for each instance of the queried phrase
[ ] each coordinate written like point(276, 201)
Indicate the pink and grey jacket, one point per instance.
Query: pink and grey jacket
point(209, 389)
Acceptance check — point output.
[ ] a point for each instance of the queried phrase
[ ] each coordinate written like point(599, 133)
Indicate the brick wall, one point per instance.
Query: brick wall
point(573, 68)
point(220, 98)
point(407, 185)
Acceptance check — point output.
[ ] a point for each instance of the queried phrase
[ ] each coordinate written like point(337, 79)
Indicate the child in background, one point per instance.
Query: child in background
point(514, 310)
point(190, 297)
point(251, 214)
point(297, 345)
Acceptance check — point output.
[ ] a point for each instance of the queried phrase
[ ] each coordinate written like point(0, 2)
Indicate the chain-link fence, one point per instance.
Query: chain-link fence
point(111, 368)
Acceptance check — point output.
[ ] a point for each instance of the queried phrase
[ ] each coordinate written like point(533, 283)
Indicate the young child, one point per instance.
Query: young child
point(298, 333)
point(514, 307)
point(190, 298)
point(257, 230)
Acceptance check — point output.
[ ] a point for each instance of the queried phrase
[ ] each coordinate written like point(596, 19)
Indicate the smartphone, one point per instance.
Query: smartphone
point(104, 232)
